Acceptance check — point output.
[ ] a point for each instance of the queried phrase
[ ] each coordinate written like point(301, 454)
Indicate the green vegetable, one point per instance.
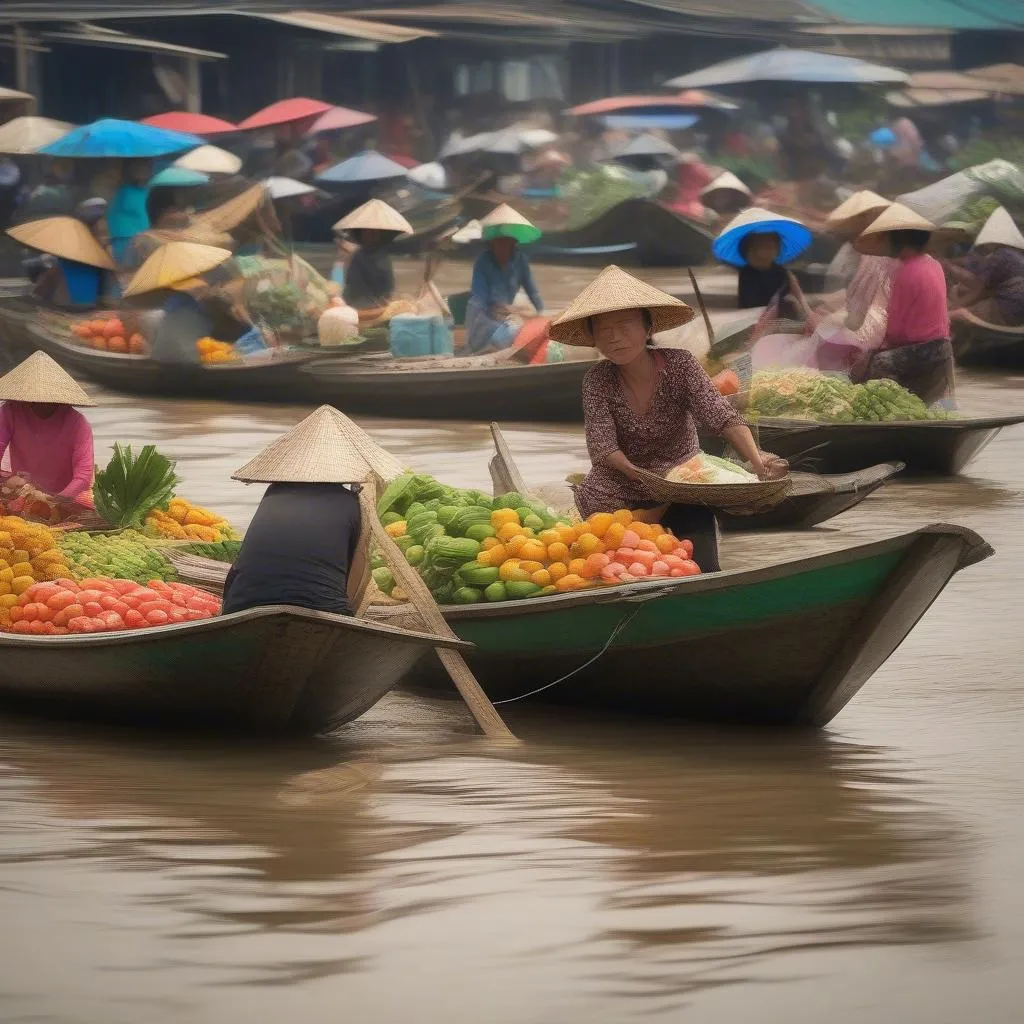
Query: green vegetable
point(472, 515)
point(510, 500)
point(478, 575)
point(377, 561)
point(480, 531)
point(404, 543)
point(467, 595)
point(496, 592)
point(519, 591)
point(384, 579)
point(390, 517)
point(129, 489)
point(452, 552)
point(533, 521)
point(446, 513)
point(415, 554)
point(396, 495)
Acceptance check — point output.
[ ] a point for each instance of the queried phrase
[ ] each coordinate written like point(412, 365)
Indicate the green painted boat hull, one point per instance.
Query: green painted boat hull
point(787, 645)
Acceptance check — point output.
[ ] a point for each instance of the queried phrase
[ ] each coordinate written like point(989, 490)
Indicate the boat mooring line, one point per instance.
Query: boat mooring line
point(622, 624)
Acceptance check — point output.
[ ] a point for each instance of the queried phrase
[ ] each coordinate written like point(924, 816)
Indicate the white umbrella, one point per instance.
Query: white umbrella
point(432, 176)
point(210, 160)
point(285, 188)
point(24, 135)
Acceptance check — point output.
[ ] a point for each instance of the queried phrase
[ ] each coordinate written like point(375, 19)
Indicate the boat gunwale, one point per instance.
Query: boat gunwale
point(849, 483)
point(954, 425)
point(221, 623)
point(352, 370)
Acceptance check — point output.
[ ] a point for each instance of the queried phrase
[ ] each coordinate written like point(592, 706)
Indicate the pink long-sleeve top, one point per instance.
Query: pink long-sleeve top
point(918, 304)
point(55, 452)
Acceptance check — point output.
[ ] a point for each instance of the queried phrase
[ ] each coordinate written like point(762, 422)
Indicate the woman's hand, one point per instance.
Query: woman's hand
point(770, 467)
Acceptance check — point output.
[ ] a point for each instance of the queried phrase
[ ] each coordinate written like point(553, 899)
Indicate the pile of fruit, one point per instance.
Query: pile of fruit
point(105, 605)
point(28, 554)
point(128, 555)
point(213, 351)
point(184, 521)
point(19, 498)
point(109, 335)
point(468, 547)
point(221, 551)
point(829, 398)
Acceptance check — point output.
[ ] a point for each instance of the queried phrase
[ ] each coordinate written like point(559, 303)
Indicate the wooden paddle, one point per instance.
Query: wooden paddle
point(703, 308)
point(480, 707)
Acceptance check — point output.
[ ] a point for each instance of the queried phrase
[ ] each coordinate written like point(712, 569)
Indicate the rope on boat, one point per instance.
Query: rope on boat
point(622, 624)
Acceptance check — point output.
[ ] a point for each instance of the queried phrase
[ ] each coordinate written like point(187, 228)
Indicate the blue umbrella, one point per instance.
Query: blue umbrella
point(794, 237)
point(178, 177)
point(785, 65)
point(649, 122)
point(366, 166)
point(126, 139)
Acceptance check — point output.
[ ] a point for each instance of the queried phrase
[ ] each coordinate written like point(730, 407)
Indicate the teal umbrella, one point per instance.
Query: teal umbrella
point(178, 177)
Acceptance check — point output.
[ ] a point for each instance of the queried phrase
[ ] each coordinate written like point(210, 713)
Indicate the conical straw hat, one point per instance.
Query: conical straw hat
point(613, 289)
point(1000, 229)
point(235, 211)
point(29, 134)
point(40, 379)
point(794, 237)
point(319, 450)
point(875, 242)
point(174, 263)
point(379, 459)
point(66, 237)
point(505, 222)
point(726, 180)
point(375, 215)
point(857, 212)
point(210, 160)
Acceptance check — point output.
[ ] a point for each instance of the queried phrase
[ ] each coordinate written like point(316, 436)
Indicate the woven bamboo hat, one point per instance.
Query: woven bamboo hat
point(1000, 229)
point(319, 450)
point(174, 264)
point(613, 289)
point(375, 215)
point(874, 241)
point(504, 222)
point(857, 212)
point(726, 182)
point(66, 237)
point(210, 160)
point(40, 379)
point(29, 134)
point(236, 210)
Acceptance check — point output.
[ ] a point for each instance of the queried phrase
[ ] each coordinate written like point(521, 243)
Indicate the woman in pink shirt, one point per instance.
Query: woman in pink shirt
point(43, 437)
point(915, 350)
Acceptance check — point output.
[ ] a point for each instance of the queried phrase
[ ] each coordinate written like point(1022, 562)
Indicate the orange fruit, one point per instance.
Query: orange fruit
point(648, 545)
point(541, 577)
point(623, 515)
point(642, 530)
point(489, 542)
point(514, 545)
point(511, 570)
point(530, 566)
point(577, 566)
point(594, 564)
point(665, 543)
point(503, 516)
point(509, 530)
point(599, 522)
point(570, 582)
point(534, 550)
point(548, 537)
point(613, 536)
point(557, 570)
point(558, 552)
point(588, 543)
point(567, 534)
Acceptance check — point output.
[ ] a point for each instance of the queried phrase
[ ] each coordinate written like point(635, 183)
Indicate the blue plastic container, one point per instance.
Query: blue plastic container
point(412, 336)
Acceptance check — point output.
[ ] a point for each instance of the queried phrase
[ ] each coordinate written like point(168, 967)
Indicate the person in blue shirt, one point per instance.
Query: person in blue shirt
point(127, 214)
point(499, 273)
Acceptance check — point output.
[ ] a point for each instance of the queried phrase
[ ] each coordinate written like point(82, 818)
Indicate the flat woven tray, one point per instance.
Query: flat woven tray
point(760, 494)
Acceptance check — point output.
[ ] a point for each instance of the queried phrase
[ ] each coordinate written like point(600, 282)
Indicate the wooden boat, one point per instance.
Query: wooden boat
point(273, 669)
point(931, 446)
point(466, 387)
point(789, 644)
point(977, 343)
point(812, 499)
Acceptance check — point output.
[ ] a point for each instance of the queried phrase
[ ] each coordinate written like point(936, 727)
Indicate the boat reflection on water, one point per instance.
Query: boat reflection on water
point(646, 863)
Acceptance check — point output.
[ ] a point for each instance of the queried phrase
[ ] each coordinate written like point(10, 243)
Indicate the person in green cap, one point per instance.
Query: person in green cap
point(499, 273)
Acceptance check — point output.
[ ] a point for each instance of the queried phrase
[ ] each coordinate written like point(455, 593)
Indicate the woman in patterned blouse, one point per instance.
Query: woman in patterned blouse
point(642, 406)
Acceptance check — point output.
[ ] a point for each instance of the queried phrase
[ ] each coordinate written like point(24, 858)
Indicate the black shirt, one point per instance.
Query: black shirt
point(759, 287)
point(298, 550)
point(369, 279)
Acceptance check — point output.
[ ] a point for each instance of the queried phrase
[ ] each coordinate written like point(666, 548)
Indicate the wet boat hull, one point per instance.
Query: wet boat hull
point(977, 343)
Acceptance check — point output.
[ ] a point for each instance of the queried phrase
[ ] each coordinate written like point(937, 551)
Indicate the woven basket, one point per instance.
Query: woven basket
point(759, 494)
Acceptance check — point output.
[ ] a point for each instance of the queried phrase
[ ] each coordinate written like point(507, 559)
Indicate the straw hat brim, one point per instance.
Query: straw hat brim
point(794, 237)
point(40, 379)
point(319, 450)
point(175, 263)
point(65, 237)
point(857, 212)
point(614, 290)
point(375, 215)
point(504, 222)
point(1000, 229)
point(874, 241)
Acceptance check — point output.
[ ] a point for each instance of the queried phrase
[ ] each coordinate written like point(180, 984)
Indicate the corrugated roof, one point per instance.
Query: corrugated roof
point(954, 14)
point(87, 34)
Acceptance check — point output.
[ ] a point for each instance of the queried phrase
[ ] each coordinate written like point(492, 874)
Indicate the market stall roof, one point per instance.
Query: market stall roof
point(286, 188)
point(210, 160)
point(337, 118)
point(342, 25)
point(993, 15)
point(786, 65)
point(127, 139)
point(66, 237)
point(194, 124)
point(87, 34)
point(914, 98)
point(285, 112)
point(366, 166)
point(1010, 77)
point(690, 99)
point(28, 134)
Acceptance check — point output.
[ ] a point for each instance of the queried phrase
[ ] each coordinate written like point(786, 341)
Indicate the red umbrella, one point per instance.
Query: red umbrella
point(284, 112)
point(191, 124)
point(689, 100)
point(337, 118)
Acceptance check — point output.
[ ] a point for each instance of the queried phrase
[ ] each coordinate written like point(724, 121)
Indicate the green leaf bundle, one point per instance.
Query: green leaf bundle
point(130, 488)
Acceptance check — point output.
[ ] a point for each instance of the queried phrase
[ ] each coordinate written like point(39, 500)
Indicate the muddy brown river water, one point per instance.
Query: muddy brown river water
point(606, 870)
